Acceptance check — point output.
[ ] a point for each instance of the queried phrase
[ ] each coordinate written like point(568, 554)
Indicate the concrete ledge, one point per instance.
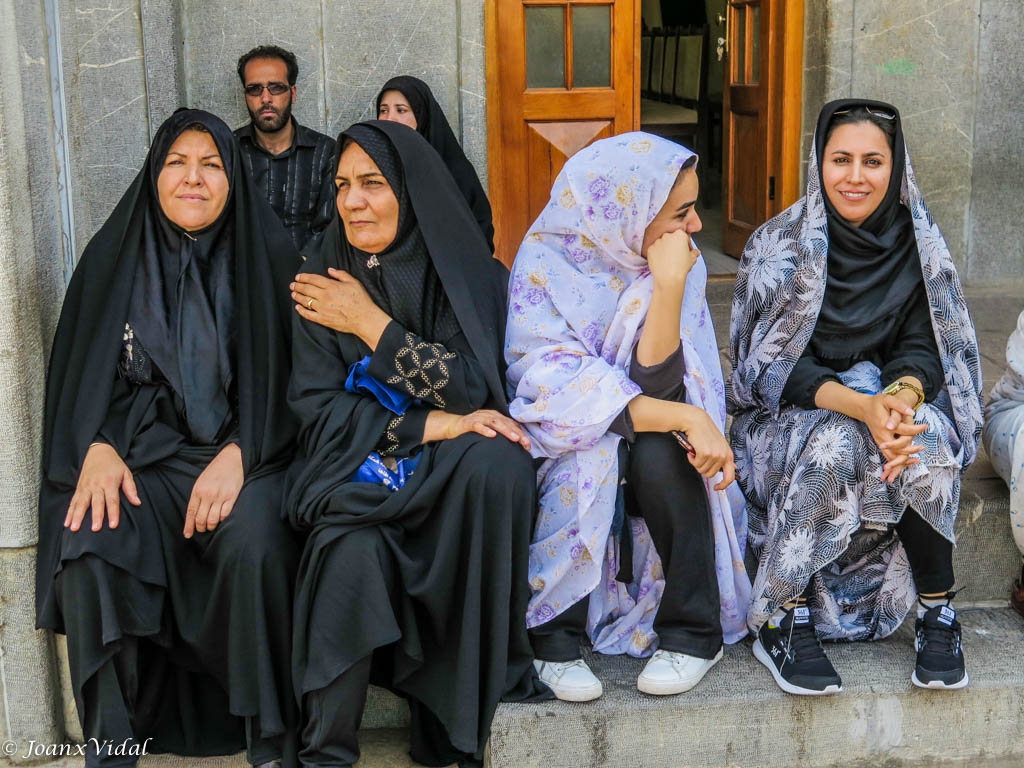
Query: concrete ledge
point(738, 717)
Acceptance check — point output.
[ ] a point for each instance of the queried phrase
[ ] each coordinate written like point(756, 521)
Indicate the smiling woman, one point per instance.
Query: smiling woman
point(192, 186)
point(852, 348)
point(162, 553)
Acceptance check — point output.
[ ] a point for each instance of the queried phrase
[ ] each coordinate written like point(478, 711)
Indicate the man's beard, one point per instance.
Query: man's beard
point(274, 123)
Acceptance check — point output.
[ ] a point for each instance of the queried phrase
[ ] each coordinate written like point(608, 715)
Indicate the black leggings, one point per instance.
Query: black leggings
point(929, 552)
point(664, 489)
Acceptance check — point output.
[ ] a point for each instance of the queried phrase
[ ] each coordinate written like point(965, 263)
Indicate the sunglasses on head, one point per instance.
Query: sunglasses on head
point(276, 89)
point(870, 110)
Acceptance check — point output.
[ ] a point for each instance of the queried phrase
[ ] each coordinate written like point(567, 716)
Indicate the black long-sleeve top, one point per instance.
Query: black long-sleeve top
point(298, 183)
point(663, 381)
point(902, 344)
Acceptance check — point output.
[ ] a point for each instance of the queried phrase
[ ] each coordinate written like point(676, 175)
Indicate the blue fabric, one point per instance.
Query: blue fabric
point(360, 381)
point(373, 470)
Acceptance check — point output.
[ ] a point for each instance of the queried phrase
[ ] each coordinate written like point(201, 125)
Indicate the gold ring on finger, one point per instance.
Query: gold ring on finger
point(309, 304)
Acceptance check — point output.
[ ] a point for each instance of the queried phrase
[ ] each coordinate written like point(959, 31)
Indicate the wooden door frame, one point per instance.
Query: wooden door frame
point(785, 126)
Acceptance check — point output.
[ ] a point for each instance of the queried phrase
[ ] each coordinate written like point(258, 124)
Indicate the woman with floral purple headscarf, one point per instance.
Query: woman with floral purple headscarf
point(615, 374)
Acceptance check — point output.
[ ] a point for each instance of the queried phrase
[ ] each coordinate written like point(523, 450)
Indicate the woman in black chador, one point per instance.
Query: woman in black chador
point(163, 555)
point(415, 486)
point(408, 100)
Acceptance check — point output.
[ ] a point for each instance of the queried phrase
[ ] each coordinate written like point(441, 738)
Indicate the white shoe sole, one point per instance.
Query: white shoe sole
point(665, 688)
point(938, 685)
point(762, 655)
point(578, 694)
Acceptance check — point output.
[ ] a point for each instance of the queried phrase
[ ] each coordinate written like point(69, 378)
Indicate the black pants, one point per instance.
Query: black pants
point(929, 552)
point(663, 488)
point(332, 715)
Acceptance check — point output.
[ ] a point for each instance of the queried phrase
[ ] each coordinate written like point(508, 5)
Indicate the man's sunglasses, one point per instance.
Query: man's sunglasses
point(276, 89)
point(869, 110)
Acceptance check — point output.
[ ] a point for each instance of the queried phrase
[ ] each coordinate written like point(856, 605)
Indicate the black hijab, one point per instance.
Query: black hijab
point(182, 306)
point(432, 124)
point(873, 269)
point(401, 280)
point(223, 296)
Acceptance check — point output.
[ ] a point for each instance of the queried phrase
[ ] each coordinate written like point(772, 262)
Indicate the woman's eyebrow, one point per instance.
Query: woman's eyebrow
point(686, 205)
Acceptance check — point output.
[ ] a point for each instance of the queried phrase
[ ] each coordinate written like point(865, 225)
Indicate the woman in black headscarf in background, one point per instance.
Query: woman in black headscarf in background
point(414, 484)
point(167, 384)
point(408, 100)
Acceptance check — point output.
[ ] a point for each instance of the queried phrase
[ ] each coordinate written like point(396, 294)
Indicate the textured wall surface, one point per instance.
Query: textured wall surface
point(996, 245)
point(921, 56)
point(30, 271)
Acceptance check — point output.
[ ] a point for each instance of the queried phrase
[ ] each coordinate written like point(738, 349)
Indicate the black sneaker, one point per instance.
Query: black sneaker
point(940, 657)
point(794, 656)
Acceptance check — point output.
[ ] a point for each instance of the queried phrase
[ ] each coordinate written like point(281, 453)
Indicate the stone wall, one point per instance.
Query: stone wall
point(995, 232)
point(920, 56)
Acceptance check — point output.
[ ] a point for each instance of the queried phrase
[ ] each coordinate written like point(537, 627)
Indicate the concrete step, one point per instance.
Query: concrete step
point(738, 717)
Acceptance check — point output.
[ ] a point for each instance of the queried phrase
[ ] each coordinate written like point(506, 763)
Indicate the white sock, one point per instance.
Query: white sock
point(923, 604)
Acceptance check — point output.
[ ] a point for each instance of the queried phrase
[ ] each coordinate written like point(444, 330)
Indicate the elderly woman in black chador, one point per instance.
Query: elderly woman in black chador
point(415, 486)
point(163, 555)
point(408, 100)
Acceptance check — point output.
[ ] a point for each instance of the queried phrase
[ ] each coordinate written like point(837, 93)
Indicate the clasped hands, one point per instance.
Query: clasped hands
point(891, 423)
point(104, 476)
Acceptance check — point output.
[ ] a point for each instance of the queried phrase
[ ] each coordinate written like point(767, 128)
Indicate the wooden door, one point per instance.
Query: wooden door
point(560, 75)
point(761, 115)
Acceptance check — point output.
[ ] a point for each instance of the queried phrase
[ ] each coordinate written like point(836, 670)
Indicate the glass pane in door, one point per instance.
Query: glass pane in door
point(592, 46)
point(545, 47)
point(739, 45)
point(755, 44)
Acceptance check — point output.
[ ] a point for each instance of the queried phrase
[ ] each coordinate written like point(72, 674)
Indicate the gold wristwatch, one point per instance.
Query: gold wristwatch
point(899, 386)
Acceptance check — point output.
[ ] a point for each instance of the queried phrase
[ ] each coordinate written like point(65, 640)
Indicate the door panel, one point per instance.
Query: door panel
point(745, 123)
point(560, 75)
point(761, 115)
point(550, 145)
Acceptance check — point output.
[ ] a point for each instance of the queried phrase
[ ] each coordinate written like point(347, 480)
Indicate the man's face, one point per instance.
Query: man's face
point(268, 112)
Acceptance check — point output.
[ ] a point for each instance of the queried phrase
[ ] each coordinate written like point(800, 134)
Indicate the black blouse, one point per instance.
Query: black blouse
point(902, 344)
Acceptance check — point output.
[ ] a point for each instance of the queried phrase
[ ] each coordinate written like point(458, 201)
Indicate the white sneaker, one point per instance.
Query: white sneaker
point(569, 680)
point(669, 672)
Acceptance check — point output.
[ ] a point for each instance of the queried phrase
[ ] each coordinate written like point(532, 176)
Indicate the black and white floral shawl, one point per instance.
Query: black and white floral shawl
point(817, 510)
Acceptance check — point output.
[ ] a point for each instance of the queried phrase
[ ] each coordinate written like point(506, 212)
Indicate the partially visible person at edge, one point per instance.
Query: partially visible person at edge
point(408, 100)
point(293, 166)
point(856, 402)
point(1004, 428)
point(162, 552)
point(638, 546)
point(414, 484)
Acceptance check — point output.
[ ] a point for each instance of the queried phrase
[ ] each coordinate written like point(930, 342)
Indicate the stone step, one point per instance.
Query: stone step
point(738, 717)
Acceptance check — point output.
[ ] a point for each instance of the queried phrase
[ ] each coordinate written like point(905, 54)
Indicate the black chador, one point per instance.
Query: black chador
point(422, 589)
point(170, 345)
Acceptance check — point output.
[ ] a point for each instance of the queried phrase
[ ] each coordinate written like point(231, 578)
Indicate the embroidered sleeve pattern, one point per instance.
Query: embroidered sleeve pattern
point(389, 442)
point(422, 369)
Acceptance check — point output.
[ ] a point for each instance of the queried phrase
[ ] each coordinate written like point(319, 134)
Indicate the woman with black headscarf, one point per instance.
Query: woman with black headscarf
point(856, 401)
point(408, 100)
point(413, 482)
point(167, 383)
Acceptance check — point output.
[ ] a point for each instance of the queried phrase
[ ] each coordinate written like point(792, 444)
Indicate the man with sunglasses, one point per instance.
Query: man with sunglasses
point(291, 164)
